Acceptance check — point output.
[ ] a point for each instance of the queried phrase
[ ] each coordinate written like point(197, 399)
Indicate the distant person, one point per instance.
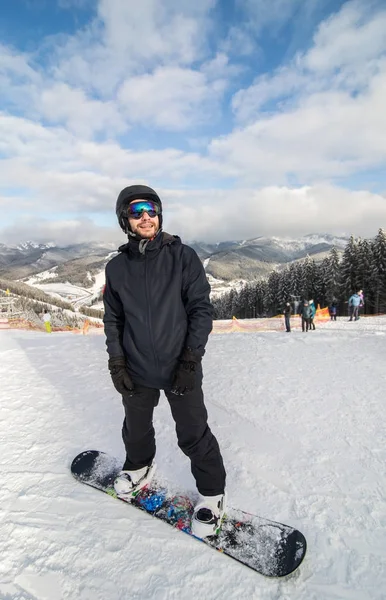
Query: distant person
point(47, 321)
point(362, 302)
point(313, 313)
point(353, 305)
point(287, 317)
point(333, 309)
point(306, 316)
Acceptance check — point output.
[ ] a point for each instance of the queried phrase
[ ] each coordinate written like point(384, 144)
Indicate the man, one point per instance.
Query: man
point(287, 317)
point(158, 317)
point(306, 316)
point(353, 303)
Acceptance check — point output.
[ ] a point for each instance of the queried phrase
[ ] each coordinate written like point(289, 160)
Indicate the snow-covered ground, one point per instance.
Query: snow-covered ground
point(220, 287)
point(301, 422)
point(40, 277)
point(75, 294)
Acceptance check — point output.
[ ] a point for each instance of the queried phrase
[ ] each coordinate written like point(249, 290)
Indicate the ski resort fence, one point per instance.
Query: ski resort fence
point(234, 325)
point(36, 325)
point(267, 324)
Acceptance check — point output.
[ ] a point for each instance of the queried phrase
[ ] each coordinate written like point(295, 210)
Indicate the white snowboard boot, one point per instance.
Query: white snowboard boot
point(127, 484)
point(208, 515)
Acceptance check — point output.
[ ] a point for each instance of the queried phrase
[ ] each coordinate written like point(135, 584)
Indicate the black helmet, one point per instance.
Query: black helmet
point(135, 192)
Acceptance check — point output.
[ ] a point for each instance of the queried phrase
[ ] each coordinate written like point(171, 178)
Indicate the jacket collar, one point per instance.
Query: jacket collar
point(145, 247)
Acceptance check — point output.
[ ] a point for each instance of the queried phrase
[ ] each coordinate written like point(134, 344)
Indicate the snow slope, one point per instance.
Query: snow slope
point(301, 422)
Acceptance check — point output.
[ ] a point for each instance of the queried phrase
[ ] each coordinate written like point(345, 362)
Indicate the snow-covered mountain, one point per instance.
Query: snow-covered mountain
point(73, 261)
point(26, 246)
point(256, 257)
point(81, 266)
point(290, 248)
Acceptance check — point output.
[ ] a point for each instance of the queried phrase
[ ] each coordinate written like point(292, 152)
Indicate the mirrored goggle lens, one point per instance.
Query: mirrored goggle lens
point(136, 210)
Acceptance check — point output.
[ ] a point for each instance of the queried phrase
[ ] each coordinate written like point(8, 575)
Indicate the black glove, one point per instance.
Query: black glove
point(120, 376)
point(185, 375)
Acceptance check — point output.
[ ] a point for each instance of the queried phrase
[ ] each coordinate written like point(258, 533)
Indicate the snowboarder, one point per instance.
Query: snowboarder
point(306, 316)
point(353, 303)
point(47, 321)
point(287, 317)
point(157, 320)
point(312, 306)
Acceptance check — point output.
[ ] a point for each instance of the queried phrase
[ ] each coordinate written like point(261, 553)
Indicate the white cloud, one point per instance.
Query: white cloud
point(151, 64)
point(214, 215)
point(62, 233)
point(132, 38)
point(328, 120)
point(348, 52)
point(18, 79)
point(23, 87)
point(83, 116)
point(329, 135)
point(130, 65)
point(12, 62)
point(61, 172)
point(170, 98)
point(349, 39)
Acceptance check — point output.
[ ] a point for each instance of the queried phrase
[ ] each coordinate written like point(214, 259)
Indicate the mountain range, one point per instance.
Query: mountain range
point(257, 257)
point(226, 261)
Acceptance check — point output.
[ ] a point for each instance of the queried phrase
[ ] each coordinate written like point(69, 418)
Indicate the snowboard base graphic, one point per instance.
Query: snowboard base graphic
point(269, 548)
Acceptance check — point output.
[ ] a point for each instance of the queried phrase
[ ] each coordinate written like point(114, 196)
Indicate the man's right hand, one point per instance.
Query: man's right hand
point(120, 376)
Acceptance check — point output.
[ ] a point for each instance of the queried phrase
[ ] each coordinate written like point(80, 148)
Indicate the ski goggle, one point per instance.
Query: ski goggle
point(136, 210)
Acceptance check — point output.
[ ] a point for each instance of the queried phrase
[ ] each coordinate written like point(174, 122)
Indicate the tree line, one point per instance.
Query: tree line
point(361, 266)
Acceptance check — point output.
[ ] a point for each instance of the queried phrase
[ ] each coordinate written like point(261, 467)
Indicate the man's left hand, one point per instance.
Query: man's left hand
point(185, 375)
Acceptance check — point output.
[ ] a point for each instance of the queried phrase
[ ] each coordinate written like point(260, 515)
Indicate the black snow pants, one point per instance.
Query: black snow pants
point(193, 434)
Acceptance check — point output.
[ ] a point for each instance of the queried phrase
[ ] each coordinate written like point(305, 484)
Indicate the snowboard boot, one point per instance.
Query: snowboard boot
point(128, 484)
point(208, 515)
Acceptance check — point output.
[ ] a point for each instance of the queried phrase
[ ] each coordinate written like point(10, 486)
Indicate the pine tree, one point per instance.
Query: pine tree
point(379, 271)
point(283, 289)
point(320, 282)
point(349, 283)
point(333, 275)
point(271, 301)
point(366, 276)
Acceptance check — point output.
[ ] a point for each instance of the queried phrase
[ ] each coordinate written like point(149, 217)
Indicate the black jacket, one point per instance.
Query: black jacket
point(156, 303)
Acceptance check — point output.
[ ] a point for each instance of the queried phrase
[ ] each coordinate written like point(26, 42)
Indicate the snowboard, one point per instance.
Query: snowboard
point(269, 548)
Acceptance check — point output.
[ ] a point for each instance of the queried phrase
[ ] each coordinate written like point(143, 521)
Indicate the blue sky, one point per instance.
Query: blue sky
point(249, 117)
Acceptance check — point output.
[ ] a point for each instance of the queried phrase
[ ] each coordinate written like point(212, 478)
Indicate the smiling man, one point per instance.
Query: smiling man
point(158, 317)
point(143, 218)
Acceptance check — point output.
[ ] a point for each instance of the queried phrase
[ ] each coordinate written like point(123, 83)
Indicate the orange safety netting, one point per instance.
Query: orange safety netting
point(20, 323)
point(267, 324)
point(223, 326)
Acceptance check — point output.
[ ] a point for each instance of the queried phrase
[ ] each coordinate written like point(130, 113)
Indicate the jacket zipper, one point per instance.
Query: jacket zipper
point(149, 315)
